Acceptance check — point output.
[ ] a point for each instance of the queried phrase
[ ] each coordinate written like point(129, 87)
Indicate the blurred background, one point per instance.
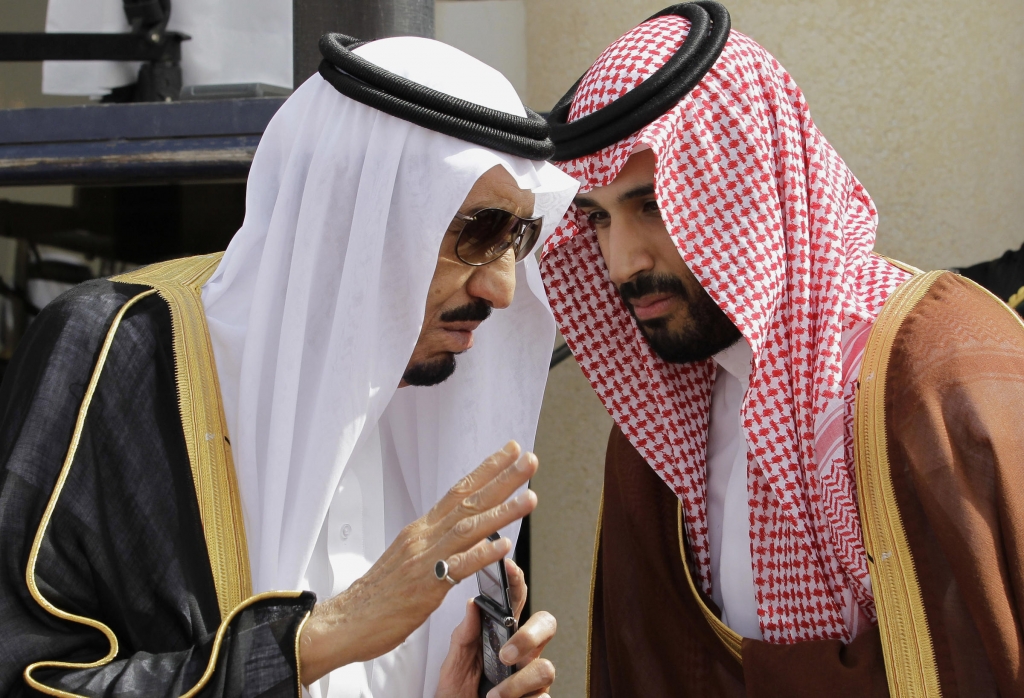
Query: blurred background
point(924, 99)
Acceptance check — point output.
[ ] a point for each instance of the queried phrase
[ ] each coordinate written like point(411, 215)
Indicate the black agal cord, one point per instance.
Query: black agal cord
point(709, 29)
point(359, 79)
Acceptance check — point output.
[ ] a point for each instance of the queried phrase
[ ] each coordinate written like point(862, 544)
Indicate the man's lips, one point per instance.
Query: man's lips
point(460, 334)
point(652, 305)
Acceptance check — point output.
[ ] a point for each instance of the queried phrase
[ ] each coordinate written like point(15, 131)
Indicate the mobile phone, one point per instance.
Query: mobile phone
point(497, 622)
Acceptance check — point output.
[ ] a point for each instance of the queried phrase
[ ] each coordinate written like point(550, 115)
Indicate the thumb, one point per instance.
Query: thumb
point(468, 631)
point(460, 671)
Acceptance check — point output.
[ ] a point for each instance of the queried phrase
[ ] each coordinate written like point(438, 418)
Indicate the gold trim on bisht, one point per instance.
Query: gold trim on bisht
point(176, 279)
point(33, 556)
point(593, 588)
point(900, 265)
point(1017, 298)
point(298, 652)
point(218, 640)
point(179, 282)
point(732, 640)
point(910, 665)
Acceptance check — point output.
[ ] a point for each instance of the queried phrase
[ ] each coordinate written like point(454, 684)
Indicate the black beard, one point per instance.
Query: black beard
point(709, 331)
point(439, 370)
point(430, 372)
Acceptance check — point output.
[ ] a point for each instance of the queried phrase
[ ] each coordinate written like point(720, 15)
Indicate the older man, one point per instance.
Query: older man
point(190, 449)
point(814, 483)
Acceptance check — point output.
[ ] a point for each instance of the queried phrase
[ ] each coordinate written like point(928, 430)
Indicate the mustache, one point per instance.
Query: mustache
point(648, 283)
point(477, 310)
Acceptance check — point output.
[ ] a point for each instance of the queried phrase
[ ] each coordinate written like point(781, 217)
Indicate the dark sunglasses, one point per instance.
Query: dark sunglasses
point(488, 234)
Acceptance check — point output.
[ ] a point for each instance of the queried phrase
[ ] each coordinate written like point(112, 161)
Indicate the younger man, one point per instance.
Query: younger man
point(814, 485)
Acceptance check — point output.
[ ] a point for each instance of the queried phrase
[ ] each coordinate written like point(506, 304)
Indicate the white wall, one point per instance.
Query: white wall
point(493, 31)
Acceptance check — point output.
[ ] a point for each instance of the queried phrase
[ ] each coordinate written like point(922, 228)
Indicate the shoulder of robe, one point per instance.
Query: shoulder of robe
point(82, 314)
point(47, 378)
point(938, 444)
point(64, 341)
point(957, 328)
point(66, 337)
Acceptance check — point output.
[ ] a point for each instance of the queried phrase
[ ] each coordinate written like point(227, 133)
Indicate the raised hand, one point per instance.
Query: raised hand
point(384, 606)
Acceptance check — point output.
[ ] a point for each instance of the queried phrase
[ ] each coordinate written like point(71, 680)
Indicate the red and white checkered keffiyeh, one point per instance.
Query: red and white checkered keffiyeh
point(779, 232)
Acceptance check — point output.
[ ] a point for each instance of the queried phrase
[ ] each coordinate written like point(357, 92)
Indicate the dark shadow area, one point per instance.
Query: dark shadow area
point(108, 230)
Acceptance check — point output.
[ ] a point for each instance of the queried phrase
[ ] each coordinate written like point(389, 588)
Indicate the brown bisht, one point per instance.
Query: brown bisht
point(123, 563)
point(940, 476)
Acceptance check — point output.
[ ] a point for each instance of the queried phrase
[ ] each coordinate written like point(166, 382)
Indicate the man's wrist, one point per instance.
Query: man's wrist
point(325, 644)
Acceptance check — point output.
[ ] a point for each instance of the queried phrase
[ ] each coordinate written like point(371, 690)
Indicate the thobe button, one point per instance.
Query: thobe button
point(346, 531)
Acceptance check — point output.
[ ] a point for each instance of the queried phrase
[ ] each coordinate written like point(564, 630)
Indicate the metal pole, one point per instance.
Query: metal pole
point(365, 19)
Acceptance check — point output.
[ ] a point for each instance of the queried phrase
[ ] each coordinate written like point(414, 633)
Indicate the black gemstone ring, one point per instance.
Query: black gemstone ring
point(441, 572)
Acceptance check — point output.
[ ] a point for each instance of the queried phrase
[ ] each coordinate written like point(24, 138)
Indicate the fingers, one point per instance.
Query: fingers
point(535, 674)
point(489, 508)
point(516, 587)
point(468, 485)
point(462, 565)
point(500, 488)
point(535, 677)
point(464, 533)
point(530, 640)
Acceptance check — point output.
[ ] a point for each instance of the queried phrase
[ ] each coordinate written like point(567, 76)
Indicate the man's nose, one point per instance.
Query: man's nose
point(495, 282)
point(625, 254)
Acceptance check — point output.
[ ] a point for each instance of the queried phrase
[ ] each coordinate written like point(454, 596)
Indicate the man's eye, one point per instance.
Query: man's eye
point(651, 207)
point(597, 218)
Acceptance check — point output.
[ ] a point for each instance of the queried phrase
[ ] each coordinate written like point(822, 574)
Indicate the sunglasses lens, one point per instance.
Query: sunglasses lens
point(531, 232)
point(486, 237)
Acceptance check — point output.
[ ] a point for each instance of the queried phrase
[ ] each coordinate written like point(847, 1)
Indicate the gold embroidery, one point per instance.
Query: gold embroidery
point(593, 586)
point(910, 665)
point(211, 665)
point(298, 651)
point(33, 557)
point(179, 283)
point(194, 272)
point(1016, 299)
point(732, 640)
point(899, 265)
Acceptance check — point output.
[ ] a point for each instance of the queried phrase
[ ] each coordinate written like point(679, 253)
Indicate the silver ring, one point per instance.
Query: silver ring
point(441, 572)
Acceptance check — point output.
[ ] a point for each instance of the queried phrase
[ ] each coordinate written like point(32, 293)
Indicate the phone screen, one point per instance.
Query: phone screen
point(490, 580)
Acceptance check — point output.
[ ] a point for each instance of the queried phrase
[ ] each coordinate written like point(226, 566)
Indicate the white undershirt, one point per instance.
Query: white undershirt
point(732, 572)
point(369, 508)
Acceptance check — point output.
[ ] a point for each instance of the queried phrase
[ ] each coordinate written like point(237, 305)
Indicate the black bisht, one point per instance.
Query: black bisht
point(124, 544)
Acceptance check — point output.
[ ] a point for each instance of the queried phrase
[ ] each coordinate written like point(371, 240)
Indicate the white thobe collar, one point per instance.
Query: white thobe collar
point(728, 511)
point(736, 360)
